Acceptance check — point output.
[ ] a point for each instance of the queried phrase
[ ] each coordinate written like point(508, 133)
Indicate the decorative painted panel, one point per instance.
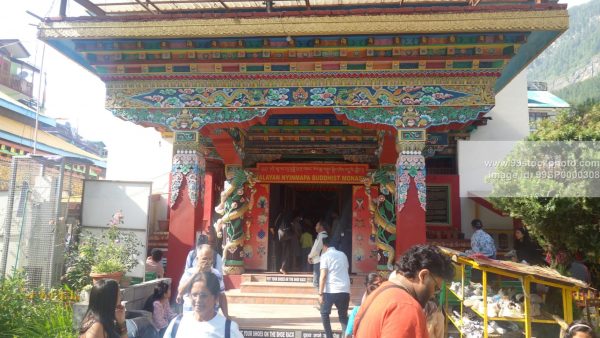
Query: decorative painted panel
point(299, 97)
point(257, 228)
point(410, 165)
point(364, 251)
point(191, 166)
point(429, 116)
point(188, 119)
point(381, 204)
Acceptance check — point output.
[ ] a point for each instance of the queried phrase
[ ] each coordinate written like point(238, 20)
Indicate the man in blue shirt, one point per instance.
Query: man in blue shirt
point(481, 241)
point(210, 239)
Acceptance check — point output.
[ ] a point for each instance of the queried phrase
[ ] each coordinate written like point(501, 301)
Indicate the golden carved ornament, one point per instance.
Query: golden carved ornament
point(139, 86)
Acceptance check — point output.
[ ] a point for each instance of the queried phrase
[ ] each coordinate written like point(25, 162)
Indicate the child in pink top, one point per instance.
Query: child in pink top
point(159, 305)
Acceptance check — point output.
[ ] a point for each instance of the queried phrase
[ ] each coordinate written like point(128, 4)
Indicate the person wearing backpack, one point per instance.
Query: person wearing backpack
point(285, 236)
point(396, 308)
point(314, 257)
point(203, 321)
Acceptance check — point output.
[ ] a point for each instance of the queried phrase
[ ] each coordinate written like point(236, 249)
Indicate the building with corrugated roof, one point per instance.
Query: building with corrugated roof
point(542, 104)
point(18, 111)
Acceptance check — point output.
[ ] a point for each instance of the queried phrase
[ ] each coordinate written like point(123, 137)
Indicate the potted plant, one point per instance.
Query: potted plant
point(116, 251)
point(109, 256)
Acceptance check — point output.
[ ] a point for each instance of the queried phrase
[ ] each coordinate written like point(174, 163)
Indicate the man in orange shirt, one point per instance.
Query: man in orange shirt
point(395, 309)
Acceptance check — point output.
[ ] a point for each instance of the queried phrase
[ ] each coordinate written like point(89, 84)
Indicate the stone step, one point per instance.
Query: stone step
point(277, 277)
point(271, 320)
point(272, 287)
point(355, 279)
point(291, 288)
point(236, 296)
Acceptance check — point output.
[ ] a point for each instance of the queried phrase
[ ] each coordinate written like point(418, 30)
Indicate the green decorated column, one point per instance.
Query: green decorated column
point(236, 201)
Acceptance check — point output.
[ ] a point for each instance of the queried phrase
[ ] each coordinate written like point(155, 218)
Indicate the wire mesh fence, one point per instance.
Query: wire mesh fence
point(42, 207)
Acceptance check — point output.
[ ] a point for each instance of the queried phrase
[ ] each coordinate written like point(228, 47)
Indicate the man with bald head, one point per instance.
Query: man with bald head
point(204, 263)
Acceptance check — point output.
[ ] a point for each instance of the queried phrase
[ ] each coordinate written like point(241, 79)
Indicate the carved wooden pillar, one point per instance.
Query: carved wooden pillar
point(186, 192)
point(410, 198)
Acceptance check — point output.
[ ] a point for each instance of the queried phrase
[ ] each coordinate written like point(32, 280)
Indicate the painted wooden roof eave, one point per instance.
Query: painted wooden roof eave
point(545, 23)
point(488, 21)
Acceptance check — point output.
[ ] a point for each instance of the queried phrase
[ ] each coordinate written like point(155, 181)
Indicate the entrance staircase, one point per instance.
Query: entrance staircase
point(276, 305)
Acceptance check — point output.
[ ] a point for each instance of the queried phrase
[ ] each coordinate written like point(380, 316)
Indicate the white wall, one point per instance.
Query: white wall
point(510, 122)
point(510, 116)
point(470, 210)
point(136, 153)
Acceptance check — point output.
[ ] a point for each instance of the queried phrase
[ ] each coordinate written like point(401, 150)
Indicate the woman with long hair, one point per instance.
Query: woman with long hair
point(372, 282)
point(105, 316)
point(158, 304)
point(527, 249)
point(204, 320)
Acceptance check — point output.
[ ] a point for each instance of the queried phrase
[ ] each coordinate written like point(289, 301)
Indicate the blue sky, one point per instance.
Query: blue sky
point(73, 93)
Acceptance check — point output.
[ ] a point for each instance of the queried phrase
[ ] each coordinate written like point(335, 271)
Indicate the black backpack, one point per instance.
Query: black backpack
point(284, 231)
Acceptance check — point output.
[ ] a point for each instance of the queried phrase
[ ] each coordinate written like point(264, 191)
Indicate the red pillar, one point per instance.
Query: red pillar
point(183, 218)
point(410, 223)
point(410, 170)
point(208, 200)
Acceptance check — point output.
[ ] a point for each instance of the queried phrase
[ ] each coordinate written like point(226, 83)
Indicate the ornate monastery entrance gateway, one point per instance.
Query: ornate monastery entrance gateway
point(372, 93)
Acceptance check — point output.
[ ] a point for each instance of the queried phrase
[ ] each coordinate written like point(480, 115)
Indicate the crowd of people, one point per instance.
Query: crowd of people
point(404, 306)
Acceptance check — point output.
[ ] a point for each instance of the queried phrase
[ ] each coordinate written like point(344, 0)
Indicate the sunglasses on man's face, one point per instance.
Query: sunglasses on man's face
point(437, 285)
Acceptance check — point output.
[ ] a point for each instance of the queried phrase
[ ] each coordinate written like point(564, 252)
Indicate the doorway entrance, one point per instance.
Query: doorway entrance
point(307, 204)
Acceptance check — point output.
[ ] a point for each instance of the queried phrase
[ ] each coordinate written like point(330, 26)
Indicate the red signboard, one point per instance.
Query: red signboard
point(314, 173)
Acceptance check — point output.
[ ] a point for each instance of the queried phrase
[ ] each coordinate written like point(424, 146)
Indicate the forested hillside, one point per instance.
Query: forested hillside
point(585, 92)
point(575, 56)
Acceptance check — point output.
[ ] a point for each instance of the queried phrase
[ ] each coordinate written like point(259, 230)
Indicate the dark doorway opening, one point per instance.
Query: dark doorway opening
point(310, 203)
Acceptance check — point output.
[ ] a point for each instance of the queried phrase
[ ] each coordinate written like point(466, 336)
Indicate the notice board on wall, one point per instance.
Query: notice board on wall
point(438, 205)
point(102, 199)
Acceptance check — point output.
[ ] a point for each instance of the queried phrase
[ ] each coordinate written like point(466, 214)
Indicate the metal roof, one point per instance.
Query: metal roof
point(13, 48)
point(132, 7)
point(545, 99)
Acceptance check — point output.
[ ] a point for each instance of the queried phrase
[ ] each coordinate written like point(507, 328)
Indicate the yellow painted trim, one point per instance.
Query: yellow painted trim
point(527, 291)
point(130, 87)
point(485, 303)
point(553, 284)
point(503, 21)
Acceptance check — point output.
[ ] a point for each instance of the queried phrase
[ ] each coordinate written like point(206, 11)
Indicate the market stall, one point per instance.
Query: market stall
point(492, 298)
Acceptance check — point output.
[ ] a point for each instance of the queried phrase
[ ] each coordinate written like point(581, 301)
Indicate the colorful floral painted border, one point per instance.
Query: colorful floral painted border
point(360, 96)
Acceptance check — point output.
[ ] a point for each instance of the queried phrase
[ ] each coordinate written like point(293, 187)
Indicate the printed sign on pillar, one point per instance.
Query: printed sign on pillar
point(364, 252)
point(256, 244)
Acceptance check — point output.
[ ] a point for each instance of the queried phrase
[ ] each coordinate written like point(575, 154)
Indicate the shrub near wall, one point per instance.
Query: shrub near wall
point(34, 313)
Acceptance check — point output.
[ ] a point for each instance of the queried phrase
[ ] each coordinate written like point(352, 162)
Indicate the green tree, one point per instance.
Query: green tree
point(566, 223)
